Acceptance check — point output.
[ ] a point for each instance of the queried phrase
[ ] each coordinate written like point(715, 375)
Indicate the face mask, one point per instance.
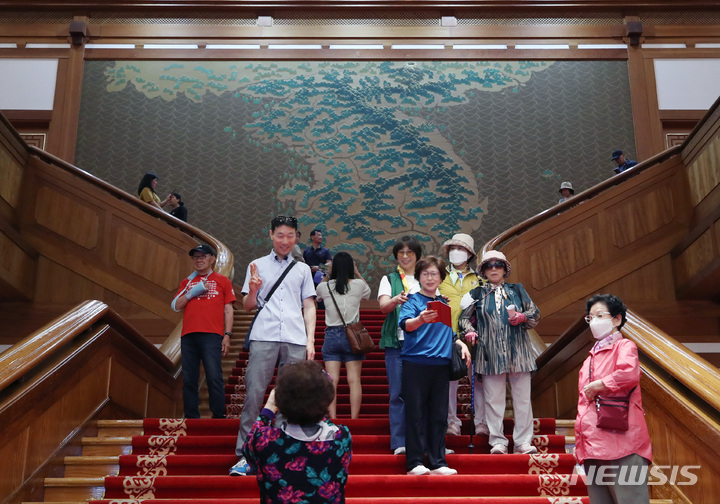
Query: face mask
point(458, 256)
point(601, 328)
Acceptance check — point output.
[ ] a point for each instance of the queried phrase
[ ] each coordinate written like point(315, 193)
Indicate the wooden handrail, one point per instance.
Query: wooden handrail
point(223, 263)
point(697, 374)
point(691, 140)
point(576, 328)
point(497, 242)
point(19, 359)
point(694, 372)
point(224, 257)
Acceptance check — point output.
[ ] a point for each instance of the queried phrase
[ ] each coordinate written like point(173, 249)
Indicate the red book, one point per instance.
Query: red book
point(443, 312)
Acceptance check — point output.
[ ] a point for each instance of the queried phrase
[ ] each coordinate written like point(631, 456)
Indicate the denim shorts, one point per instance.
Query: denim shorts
point(336, 346)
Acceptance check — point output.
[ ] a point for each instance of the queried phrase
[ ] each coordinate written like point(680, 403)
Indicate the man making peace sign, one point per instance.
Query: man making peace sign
point(284, 328)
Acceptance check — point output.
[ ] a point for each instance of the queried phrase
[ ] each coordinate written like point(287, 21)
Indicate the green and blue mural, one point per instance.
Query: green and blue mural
point(366, 151)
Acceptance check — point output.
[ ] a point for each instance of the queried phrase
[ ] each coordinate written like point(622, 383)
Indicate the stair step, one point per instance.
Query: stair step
point(106, 446)
point(91, 467)
point(460, 485)
point(73, 489)
point(119, 428)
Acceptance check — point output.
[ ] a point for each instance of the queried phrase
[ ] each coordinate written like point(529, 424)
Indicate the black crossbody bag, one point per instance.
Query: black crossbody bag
point(246, 345)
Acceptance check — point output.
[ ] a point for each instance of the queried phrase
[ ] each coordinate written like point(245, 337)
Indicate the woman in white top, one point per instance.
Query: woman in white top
point(348, 289)
point(395, 287)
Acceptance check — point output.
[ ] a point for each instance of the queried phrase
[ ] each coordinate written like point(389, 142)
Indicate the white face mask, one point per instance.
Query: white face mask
point(601, 328)
point(458, 256)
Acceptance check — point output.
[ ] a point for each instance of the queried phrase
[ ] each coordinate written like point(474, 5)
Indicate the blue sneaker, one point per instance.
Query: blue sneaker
point(242, 468)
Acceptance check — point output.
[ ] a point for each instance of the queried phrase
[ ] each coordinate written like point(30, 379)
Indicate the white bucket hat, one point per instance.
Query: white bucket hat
point(494, 255)
point(566, 185)
point(463, 240)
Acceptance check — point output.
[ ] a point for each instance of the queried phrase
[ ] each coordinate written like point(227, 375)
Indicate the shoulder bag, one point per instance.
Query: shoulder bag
point(612, 412)
point(246, 345)
point(358, 337)
point(458, 368)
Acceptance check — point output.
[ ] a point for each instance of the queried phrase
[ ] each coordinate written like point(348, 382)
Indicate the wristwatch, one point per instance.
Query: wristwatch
point(228, 333)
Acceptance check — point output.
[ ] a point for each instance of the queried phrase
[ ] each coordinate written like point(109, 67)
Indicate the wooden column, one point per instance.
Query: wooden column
point(646, 116)
point(62, 134)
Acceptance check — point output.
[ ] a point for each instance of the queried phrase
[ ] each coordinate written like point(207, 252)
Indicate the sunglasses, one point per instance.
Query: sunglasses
point(286, 220)
point(496, 264)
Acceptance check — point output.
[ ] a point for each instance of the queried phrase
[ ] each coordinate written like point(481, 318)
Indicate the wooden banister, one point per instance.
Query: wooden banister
point(497, 242)
point(224, 260)
point(674, 358)
point(697, 374)
point(22, 357)
point(223, 264)
point(87, 363)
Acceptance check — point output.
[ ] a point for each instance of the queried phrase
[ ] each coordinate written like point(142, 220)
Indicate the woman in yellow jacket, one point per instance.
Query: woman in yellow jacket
point(146, 191)
point(461, 279)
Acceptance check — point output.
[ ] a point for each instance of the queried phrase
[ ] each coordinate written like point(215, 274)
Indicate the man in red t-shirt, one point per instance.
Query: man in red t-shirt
point(206, 299)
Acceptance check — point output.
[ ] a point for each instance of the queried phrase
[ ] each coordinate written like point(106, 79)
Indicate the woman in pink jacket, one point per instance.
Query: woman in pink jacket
point(616, 461)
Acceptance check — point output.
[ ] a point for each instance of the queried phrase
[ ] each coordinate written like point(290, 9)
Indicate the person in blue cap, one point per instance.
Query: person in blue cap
point(622, 163)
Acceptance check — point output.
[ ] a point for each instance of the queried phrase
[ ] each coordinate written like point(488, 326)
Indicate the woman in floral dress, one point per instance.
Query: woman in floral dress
point(297, 454)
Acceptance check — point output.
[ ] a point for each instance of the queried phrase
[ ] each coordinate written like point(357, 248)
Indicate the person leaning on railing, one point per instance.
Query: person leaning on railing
point(616, 461)
point(146, 191)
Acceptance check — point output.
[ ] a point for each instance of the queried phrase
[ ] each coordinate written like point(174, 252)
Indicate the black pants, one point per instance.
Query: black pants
point(425, 391)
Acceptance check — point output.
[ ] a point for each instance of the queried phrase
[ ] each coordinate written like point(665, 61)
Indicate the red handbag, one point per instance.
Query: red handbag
point(612, 412)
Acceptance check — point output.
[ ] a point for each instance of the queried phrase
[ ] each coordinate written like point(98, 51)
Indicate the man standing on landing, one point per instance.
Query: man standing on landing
point(316, 256)
point(283, 330)
point(206, 299)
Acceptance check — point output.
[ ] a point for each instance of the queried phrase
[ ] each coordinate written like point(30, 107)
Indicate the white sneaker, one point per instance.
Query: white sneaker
point(400, 450)
point(449, 451)
point(482, 429)
point(453, 430)
point(499, 449)
point(525, 448)
point(420, 470)
point(444, 471)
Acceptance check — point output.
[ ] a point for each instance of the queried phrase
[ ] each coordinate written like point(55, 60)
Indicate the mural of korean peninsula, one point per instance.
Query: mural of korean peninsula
point(365, 151)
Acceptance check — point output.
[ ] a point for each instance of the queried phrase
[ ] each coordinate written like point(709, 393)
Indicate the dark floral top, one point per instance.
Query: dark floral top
point(298, 472)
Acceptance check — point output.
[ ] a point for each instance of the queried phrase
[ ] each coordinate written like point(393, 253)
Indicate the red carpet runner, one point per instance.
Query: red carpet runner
point(188, 460)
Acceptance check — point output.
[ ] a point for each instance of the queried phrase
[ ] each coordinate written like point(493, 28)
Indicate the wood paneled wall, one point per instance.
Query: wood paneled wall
point(66, 237)
point(79, 227)
point(696, 259)
point(17, 260)
point(93, 366)
point(624, 231)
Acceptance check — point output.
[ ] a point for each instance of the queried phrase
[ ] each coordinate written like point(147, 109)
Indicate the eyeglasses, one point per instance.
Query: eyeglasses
point(598, 315)
point(430, 274)
point(405, 253)
point(496, 264)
